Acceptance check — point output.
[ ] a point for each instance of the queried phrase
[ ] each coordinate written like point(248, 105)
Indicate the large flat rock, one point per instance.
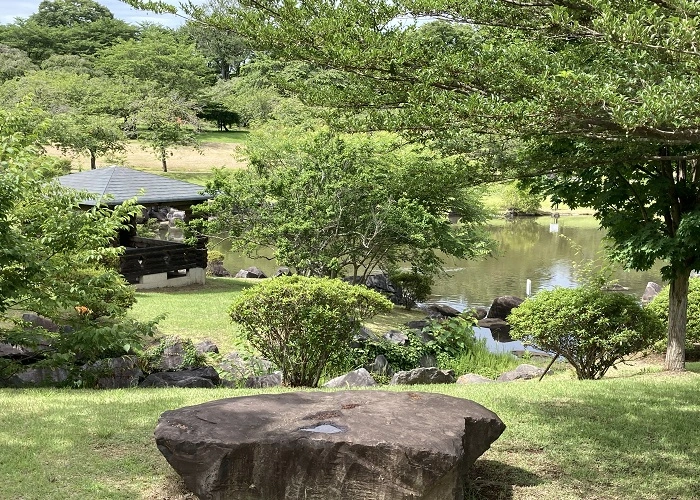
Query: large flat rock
point(328, 445)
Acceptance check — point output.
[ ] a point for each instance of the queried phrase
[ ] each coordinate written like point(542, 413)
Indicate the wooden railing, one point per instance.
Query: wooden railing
point(149, 256)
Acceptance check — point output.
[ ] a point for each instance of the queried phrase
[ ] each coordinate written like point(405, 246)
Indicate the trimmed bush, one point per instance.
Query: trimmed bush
point(592, 329)
point(304, 324)
point(659, 307)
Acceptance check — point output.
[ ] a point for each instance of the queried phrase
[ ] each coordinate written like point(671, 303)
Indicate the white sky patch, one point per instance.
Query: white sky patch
point(11, 9)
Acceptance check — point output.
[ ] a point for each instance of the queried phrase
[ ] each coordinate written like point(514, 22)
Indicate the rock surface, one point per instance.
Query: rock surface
point(115, 373)
point(262, 381)
point(251, 272)
point(349, 445)
point(355, 378)
point(201, 377)
point(437, 310)
point(423, 376)
point(651, 291)
point(522, 372)
point(473, 378)
point(502, 306)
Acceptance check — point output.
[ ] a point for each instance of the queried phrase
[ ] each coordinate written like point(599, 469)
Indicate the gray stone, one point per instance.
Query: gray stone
point(262, 381)
point(41, 322)
point(651, 291)
point(39, 377)
point(427, 361)
point(437, 310)
point(522, 372)
point(14, 351)
point(341, 445)
point(175, 356)
point(502, 306)
point(216, 268)
point(282, 271)
point(473, 378)
point(251, 272)
point(201, 377)
point(380, 365)
point(236, 368)
point(355, 378)
point(206, 346)
point(115, 373)
point(423, 376)
point(418, 324)
point(396, 337)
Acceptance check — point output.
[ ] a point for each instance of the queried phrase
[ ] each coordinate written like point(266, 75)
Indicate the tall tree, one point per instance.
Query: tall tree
point(610, 85)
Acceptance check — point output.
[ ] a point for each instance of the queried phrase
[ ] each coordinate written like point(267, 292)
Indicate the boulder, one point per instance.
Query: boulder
point(262, 381)
point(418, 324)
point(236, 368)
point(38, 377)
point(216, 268)
point(436, 310)
point(651, 291)
point(201, 377)
point(396, 337)
point(473, 378)
point(502, 306)
point(206, 346)
point(251, 272)
point(356, 378)
point(423, 376)
point(15, 351)
point(427, 361)
point(479, 312)
point(380, 365)
point(522, 372)
point(115, 373)
point(40, 322)
point(282, 271)
point(349, 445)
point(177, 355)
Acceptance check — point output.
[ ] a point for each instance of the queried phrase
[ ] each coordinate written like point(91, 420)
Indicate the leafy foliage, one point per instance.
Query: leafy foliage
point(400, 357)
point(453, 336)
point(325, 202)
point(659, 307)
point(304, 324)
point(414, 286)
point(592, 329)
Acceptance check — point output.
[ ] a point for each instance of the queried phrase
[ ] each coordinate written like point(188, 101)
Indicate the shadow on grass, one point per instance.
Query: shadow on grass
point(212, 286)
point(492, 480)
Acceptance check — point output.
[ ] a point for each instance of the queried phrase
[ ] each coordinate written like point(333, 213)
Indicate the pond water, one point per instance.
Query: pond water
point(528, 248)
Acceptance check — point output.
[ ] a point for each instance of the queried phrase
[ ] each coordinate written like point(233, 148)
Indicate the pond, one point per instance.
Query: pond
point(528, 248)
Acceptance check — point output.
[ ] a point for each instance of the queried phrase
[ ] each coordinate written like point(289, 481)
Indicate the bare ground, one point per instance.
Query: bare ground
point(211, 155)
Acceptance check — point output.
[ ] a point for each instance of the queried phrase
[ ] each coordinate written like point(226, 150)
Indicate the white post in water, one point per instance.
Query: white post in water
point(528, 287)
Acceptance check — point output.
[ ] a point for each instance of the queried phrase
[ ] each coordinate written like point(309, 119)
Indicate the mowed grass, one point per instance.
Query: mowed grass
point(196, 312)
point(632, 437)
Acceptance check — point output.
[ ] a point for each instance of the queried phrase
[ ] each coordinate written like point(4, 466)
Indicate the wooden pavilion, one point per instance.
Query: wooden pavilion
point(147, 262)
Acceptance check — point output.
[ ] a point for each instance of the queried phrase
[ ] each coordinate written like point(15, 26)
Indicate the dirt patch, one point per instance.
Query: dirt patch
point(211, 155)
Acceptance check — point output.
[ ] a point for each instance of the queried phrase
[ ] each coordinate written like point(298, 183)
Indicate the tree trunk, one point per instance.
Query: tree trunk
point(93, 161)
point(677, 320)
point(163, 161)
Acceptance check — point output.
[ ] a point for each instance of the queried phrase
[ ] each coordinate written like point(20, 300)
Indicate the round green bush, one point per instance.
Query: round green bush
point(592, 329)
point(659, 307)
point(304, 324)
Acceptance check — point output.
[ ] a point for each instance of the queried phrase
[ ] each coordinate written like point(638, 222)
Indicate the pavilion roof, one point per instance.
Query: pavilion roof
point(118, 184)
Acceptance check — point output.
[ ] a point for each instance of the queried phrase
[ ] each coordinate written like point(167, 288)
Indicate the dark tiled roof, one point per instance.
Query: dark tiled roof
point(124, 183)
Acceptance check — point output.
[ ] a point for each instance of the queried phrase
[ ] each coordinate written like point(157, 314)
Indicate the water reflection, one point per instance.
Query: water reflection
point(526, 250)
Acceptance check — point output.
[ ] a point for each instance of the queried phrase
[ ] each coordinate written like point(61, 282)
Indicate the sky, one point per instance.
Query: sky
point(10, 9)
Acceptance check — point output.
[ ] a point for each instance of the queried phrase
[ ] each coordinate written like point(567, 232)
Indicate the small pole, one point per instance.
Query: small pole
point(528, 287)
point(556, 355)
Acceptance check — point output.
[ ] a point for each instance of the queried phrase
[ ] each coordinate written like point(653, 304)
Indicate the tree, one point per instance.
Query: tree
point(14, 63)
point(225, 49)
point(164, 122)
point(612, 85)
point(326, 203)
point(158, 56)
point(94, 135)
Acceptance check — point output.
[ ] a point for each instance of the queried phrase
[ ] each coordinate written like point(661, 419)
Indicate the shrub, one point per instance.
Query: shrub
point(592, 329)
point(304, 324)
point(520, 200)
point(152, 358)
point(659, 308)
point(452, 337)
point(413, 287)
point(478, 359)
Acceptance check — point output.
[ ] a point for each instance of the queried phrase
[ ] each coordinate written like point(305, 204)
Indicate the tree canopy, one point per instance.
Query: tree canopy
point(597, 101)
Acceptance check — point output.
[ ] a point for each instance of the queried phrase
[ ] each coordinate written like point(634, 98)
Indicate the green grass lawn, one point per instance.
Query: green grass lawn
point(632, 437)
point(233, 136)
